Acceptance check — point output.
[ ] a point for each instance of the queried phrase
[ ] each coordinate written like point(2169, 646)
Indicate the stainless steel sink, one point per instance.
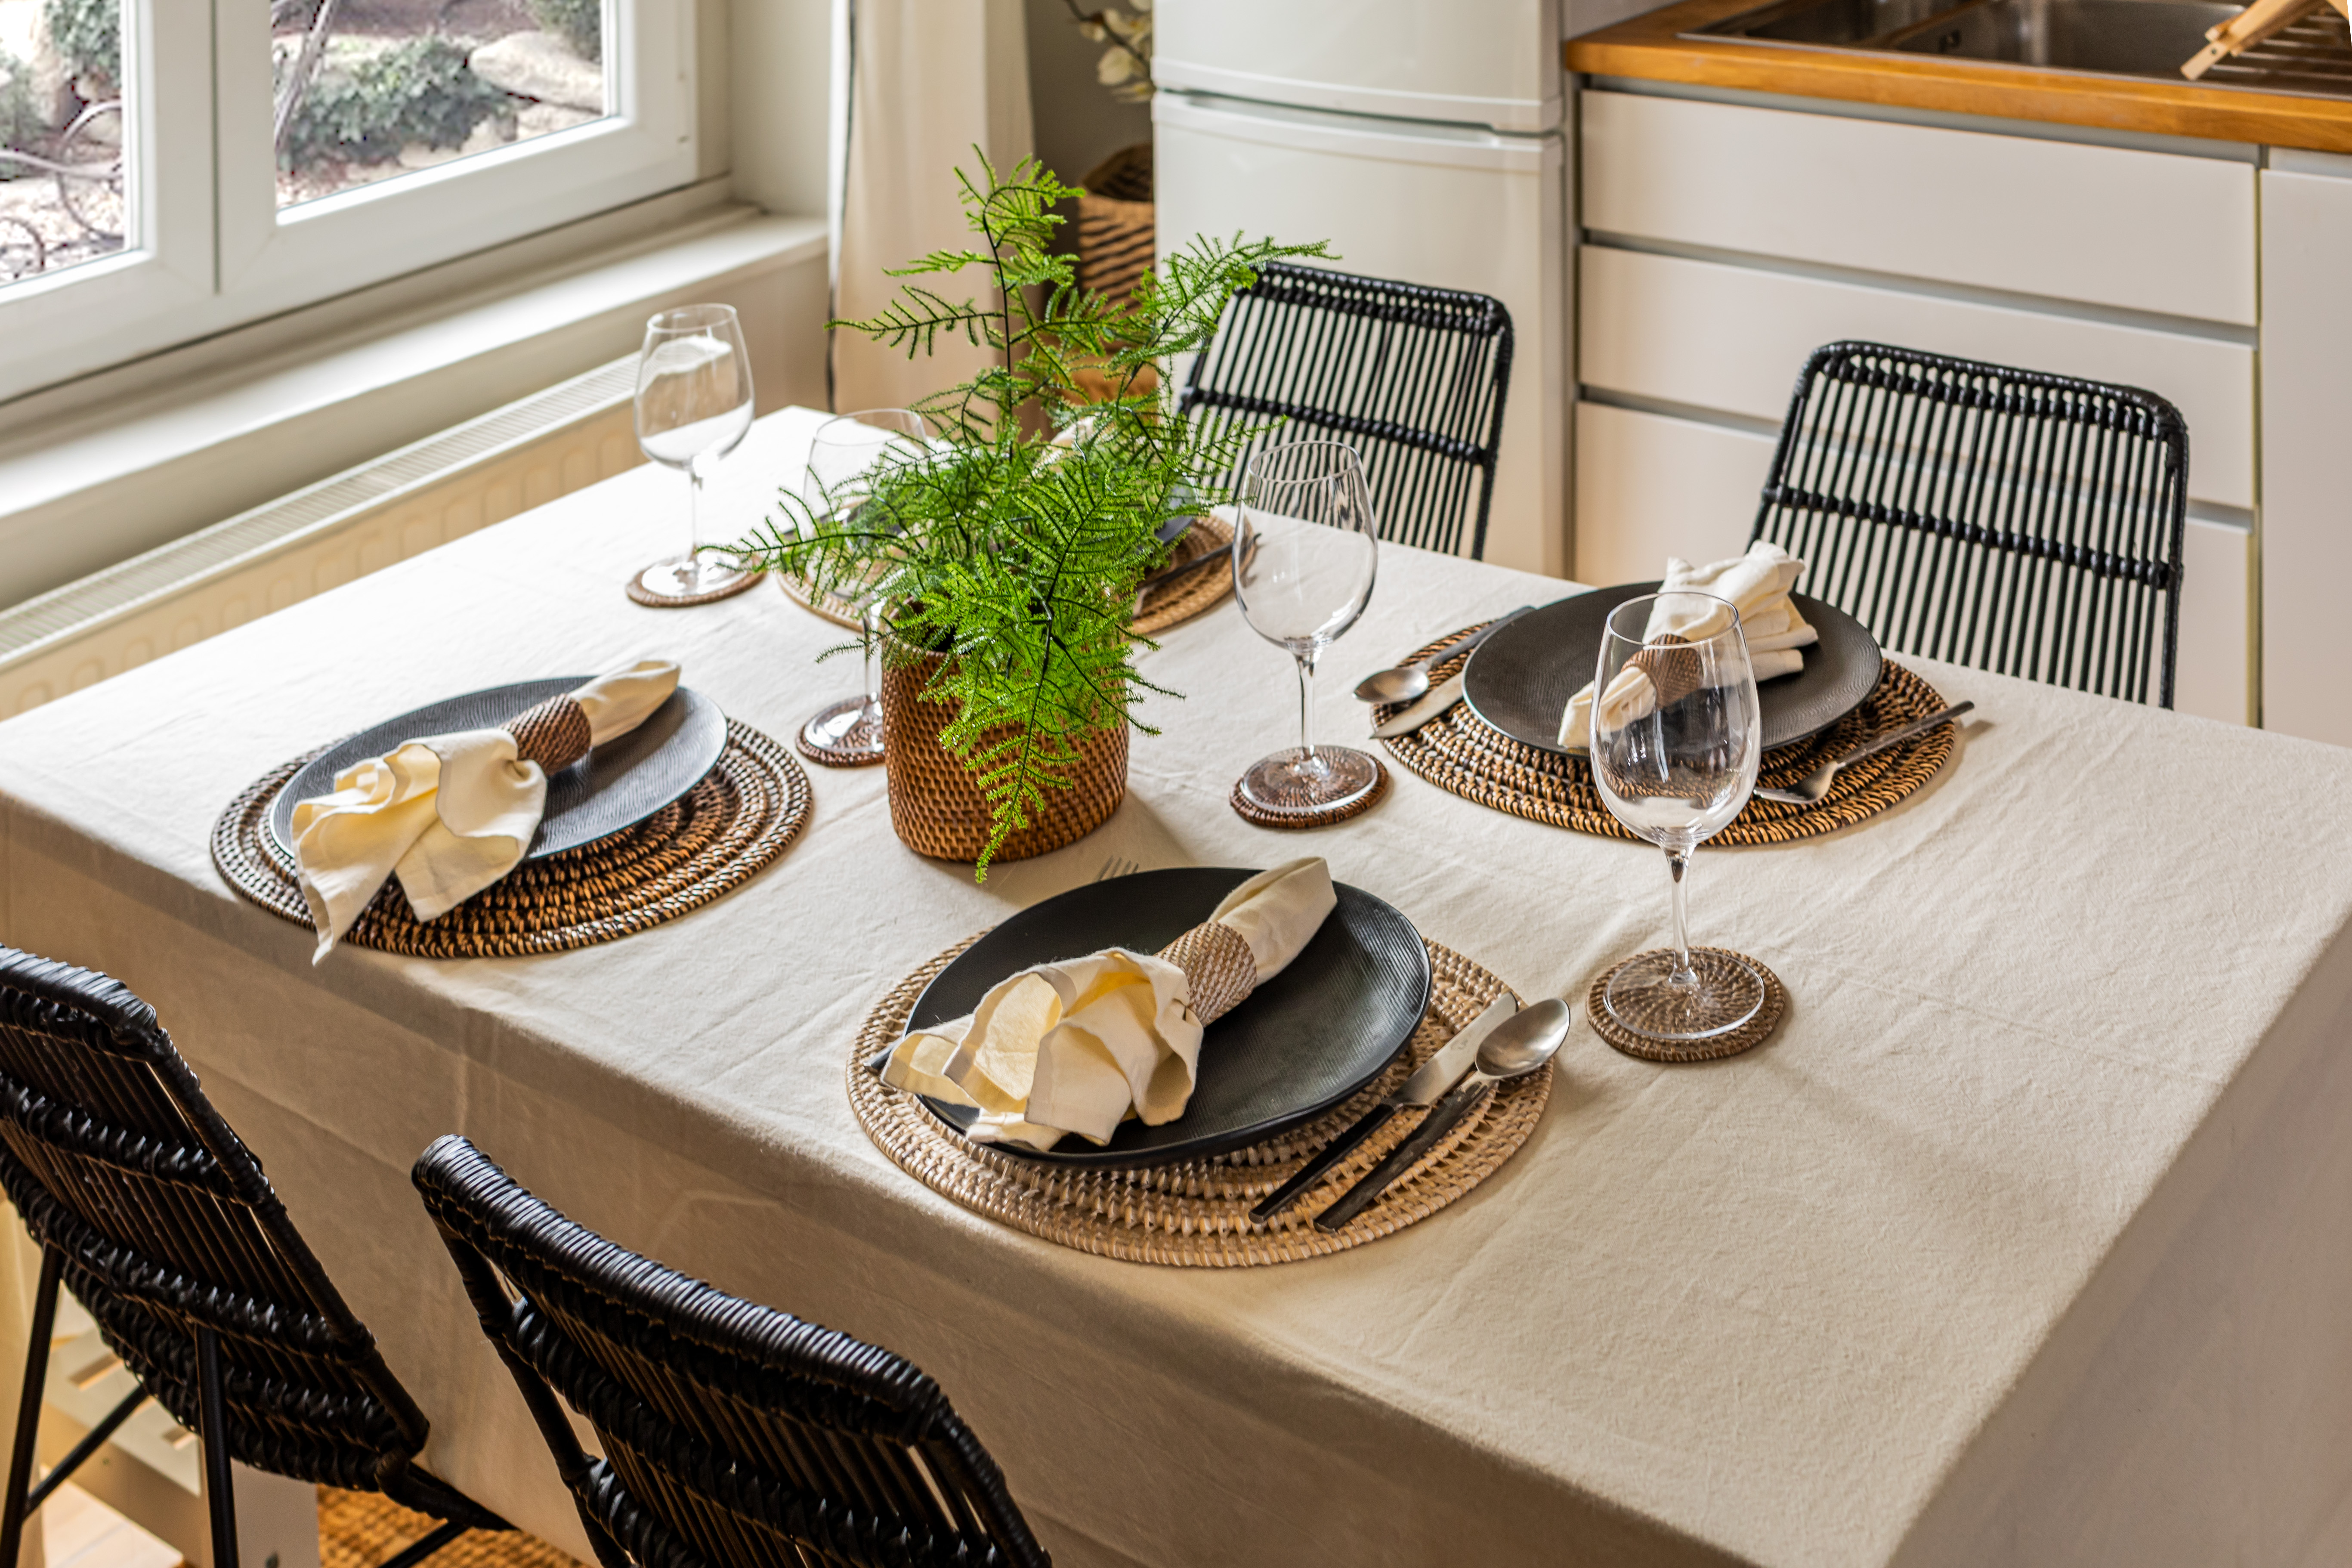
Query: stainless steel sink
point(2105, 37)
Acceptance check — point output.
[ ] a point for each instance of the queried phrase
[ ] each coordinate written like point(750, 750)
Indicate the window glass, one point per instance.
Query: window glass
point(62, 145)
point(370, 90)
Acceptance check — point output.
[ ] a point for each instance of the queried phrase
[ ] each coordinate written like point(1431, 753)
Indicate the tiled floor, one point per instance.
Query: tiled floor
point(80, 1532)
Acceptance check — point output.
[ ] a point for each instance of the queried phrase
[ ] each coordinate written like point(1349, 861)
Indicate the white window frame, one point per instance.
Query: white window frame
point(214, 249)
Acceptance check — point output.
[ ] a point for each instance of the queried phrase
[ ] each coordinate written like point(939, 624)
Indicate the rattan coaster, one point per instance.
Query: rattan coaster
point(1747, 1036)
point(1249, 811)
point(844, 756)
point(638, 592)
point(1195, 1213)
point(742, 814)
point(1461, 753)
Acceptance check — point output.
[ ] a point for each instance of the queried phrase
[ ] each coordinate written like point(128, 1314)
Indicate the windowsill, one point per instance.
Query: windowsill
point(115, 463)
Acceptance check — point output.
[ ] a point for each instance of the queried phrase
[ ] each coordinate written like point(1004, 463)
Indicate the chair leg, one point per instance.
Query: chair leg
point(29, 1407)
point(62, 1472)
point(418, 1551)
point(213, 1412)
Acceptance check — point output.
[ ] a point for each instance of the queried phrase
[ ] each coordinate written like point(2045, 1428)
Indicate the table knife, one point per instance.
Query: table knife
point(1426, 1086)
point(1427, 706)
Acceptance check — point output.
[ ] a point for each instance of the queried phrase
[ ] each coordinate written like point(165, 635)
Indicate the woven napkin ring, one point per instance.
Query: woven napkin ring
point(1218, 965)
point(1673, 667)
point(554, 734)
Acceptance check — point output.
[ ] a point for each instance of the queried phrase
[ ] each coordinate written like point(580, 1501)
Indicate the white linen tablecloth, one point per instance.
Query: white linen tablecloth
point(2023, 1240)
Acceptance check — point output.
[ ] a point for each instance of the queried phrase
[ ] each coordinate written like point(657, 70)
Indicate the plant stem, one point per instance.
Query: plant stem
point(1685, 977)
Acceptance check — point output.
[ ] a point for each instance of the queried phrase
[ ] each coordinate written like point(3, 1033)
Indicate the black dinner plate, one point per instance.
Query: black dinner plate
point(616, 786)
point(1301, 1043)
point(1519, 679)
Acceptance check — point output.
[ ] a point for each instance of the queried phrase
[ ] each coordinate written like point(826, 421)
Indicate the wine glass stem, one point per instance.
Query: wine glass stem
point(688, 568)
point(1306, 705)
point(1678, 863)
point(872, 681)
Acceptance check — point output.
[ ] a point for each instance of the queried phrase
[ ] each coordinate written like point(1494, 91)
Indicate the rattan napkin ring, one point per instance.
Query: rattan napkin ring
point(1220, 970)
point(555, 734)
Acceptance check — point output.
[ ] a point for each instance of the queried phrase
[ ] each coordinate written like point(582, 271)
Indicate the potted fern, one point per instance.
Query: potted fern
point(1007, 555)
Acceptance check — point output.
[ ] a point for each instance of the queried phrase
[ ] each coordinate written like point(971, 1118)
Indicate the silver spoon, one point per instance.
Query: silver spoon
point(1403, 682)
point(1815, 784)
point(1515, 1049)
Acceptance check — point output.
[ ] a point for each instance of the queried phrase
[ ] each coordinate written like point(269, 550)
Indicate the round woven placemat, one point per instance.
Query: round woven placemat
point(1162, 606)
point(1195, 1213)
point(740, 816)
point(637, 590)
point(1749, 1035)
point(1249, 811)
point(1461, 753)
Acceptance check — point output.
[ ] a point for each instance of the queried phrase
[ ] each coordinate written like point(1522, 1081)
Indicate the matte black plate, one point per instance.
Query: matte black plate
point(1304, 1041)
point(1519, 679)
point(616, 786)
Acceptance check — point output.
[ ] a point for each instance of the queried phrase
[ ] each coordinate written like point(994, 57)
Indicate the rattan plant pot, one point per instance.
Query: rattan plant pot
point(936, 806)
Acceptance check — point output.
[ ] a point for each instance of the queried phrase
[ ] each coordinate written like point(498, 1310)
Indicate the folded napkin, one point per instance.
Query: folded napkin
point(449, 815)
point(1757, 585)
point(1081, 1044)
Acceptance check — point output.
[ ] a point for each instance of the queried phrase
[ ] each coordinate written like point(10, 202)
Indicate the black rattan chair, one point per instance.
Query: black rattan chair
point(2023, 523)
point(734, 1436)
point(1412, 377)
point(151, 1211)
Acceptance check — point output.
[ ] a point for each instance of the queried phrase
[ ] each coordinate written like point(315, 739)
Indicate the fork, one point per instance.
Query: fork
point(1815, 784)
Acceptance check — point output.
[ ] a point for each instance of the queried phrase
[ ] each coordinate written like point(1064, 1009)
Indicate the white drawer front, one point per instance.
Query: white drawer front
point(1734, 338)
point(2145, 231)
point(1648, 486)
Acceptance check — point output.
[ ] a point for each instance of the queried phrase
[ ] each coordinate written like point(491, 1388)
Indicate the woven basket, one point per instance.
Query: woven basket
point(936, 805)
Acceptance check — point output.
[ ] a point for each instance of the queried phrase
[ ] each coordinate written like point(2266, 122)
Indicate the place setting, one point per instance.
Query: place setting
point(535, 817)
point(1242, 1067)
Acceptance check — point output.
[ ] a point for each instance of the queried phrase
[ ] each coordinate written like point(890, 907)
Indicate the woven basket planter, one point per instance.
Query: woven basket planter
point(936, 806)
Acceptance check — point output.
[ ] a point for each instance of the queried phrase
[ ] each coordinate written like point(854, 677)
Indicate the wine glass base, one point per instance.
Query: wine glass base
point(1722, 995)
point(1294, 783)
point(843, 734)
point(681, 581)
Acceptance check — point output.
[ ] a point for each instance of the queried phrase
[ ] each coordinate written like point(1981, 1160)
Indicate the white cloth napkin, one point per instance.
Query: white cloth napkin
point(448, 814)
point(1756, 583)
point(1079, 1045)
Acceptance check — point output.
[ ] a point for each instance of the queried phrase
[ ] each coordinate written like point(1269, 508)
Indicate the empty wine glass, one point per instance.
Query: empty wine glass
point(1677, 737)
point(1305, 548)
point(844, 455)
point(694, 407)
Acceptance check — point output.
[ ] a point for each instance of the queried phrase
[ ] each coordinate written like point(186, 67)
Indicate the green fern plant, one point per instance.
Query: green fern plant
point(1016, 545)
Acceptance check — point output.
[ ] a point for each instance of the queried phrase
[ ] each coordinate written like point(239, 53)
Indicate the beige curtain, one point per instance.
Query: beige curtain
point(927, 82)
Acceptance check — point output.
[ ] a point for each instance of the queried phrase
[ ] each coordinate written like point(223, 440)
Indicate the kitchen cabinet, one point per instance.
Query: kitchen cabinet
point(2307, 529)
point(1723, 241)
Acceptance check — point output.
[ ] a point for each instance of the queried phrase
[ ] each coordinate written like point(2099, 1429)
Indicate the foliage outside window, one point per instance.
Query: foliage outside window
point(420, 91)
point(87, 35)
point(580, 23)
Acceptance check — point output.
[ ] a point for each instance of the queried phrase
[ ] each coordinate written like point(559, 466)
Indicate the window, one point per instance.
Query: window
point(171, 168)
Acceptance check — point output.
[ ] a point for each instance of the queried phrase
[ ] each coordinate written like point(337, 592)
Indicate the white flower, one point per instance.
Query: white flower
point(1115, 67)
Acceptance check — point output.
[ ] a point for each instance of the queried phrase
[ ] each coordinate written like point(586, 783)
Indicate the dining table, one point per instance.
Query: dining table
point(2022, 1239)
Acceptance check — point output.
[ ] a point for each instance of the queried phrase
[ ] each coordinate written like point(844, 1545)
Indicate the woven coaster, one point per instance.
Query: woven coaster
point(847, 756)
point(1179, 601)
point(742, 814)
point(1250, 812)
point(638, 591)
point(1461, 753)
point(1749, 1035)
point(1195, 1213)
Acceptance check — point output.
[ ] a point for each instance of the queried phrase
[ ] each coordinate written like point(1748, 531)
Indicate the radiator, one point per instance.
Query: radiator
point(361, 520)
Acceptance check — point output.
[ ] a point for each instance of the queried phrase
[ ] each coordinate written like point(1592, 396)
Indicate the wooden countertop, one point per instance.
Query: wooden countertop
point(1648, 46)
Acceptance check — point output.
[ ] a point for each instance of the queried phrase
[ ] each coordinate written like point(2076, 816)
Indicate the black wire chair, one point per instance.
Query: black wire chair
point(151, 1211)
point(734, 1436)
point(2023, 523)
point(1412, 377)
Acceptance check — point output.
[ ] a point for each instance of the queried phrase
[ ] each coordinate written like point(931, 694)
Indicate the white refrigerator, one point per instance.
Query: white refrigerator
point(1424, 140)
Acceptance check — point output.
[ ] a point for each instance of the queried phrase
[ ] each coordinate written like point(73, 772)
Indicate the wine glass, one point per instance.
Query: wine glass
point(1678, 733)
point(1305, 547)
point(844, 456)
point(694, 407)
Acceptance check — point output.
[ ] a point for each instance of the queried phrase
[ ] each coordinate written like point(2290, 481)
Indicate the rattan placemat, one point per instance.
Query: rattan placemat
point(1461, 753)
point(1752, 1034)
point(1195, 1213)
point(742, 814)
point(1162, 606)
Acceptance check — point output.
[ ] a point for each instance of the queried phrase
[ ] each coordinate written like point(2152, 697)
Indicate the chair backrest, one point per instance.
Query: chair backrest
point(2023, 523)
point(1412, 377)
point(734, 1436)
point(164, 1223)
